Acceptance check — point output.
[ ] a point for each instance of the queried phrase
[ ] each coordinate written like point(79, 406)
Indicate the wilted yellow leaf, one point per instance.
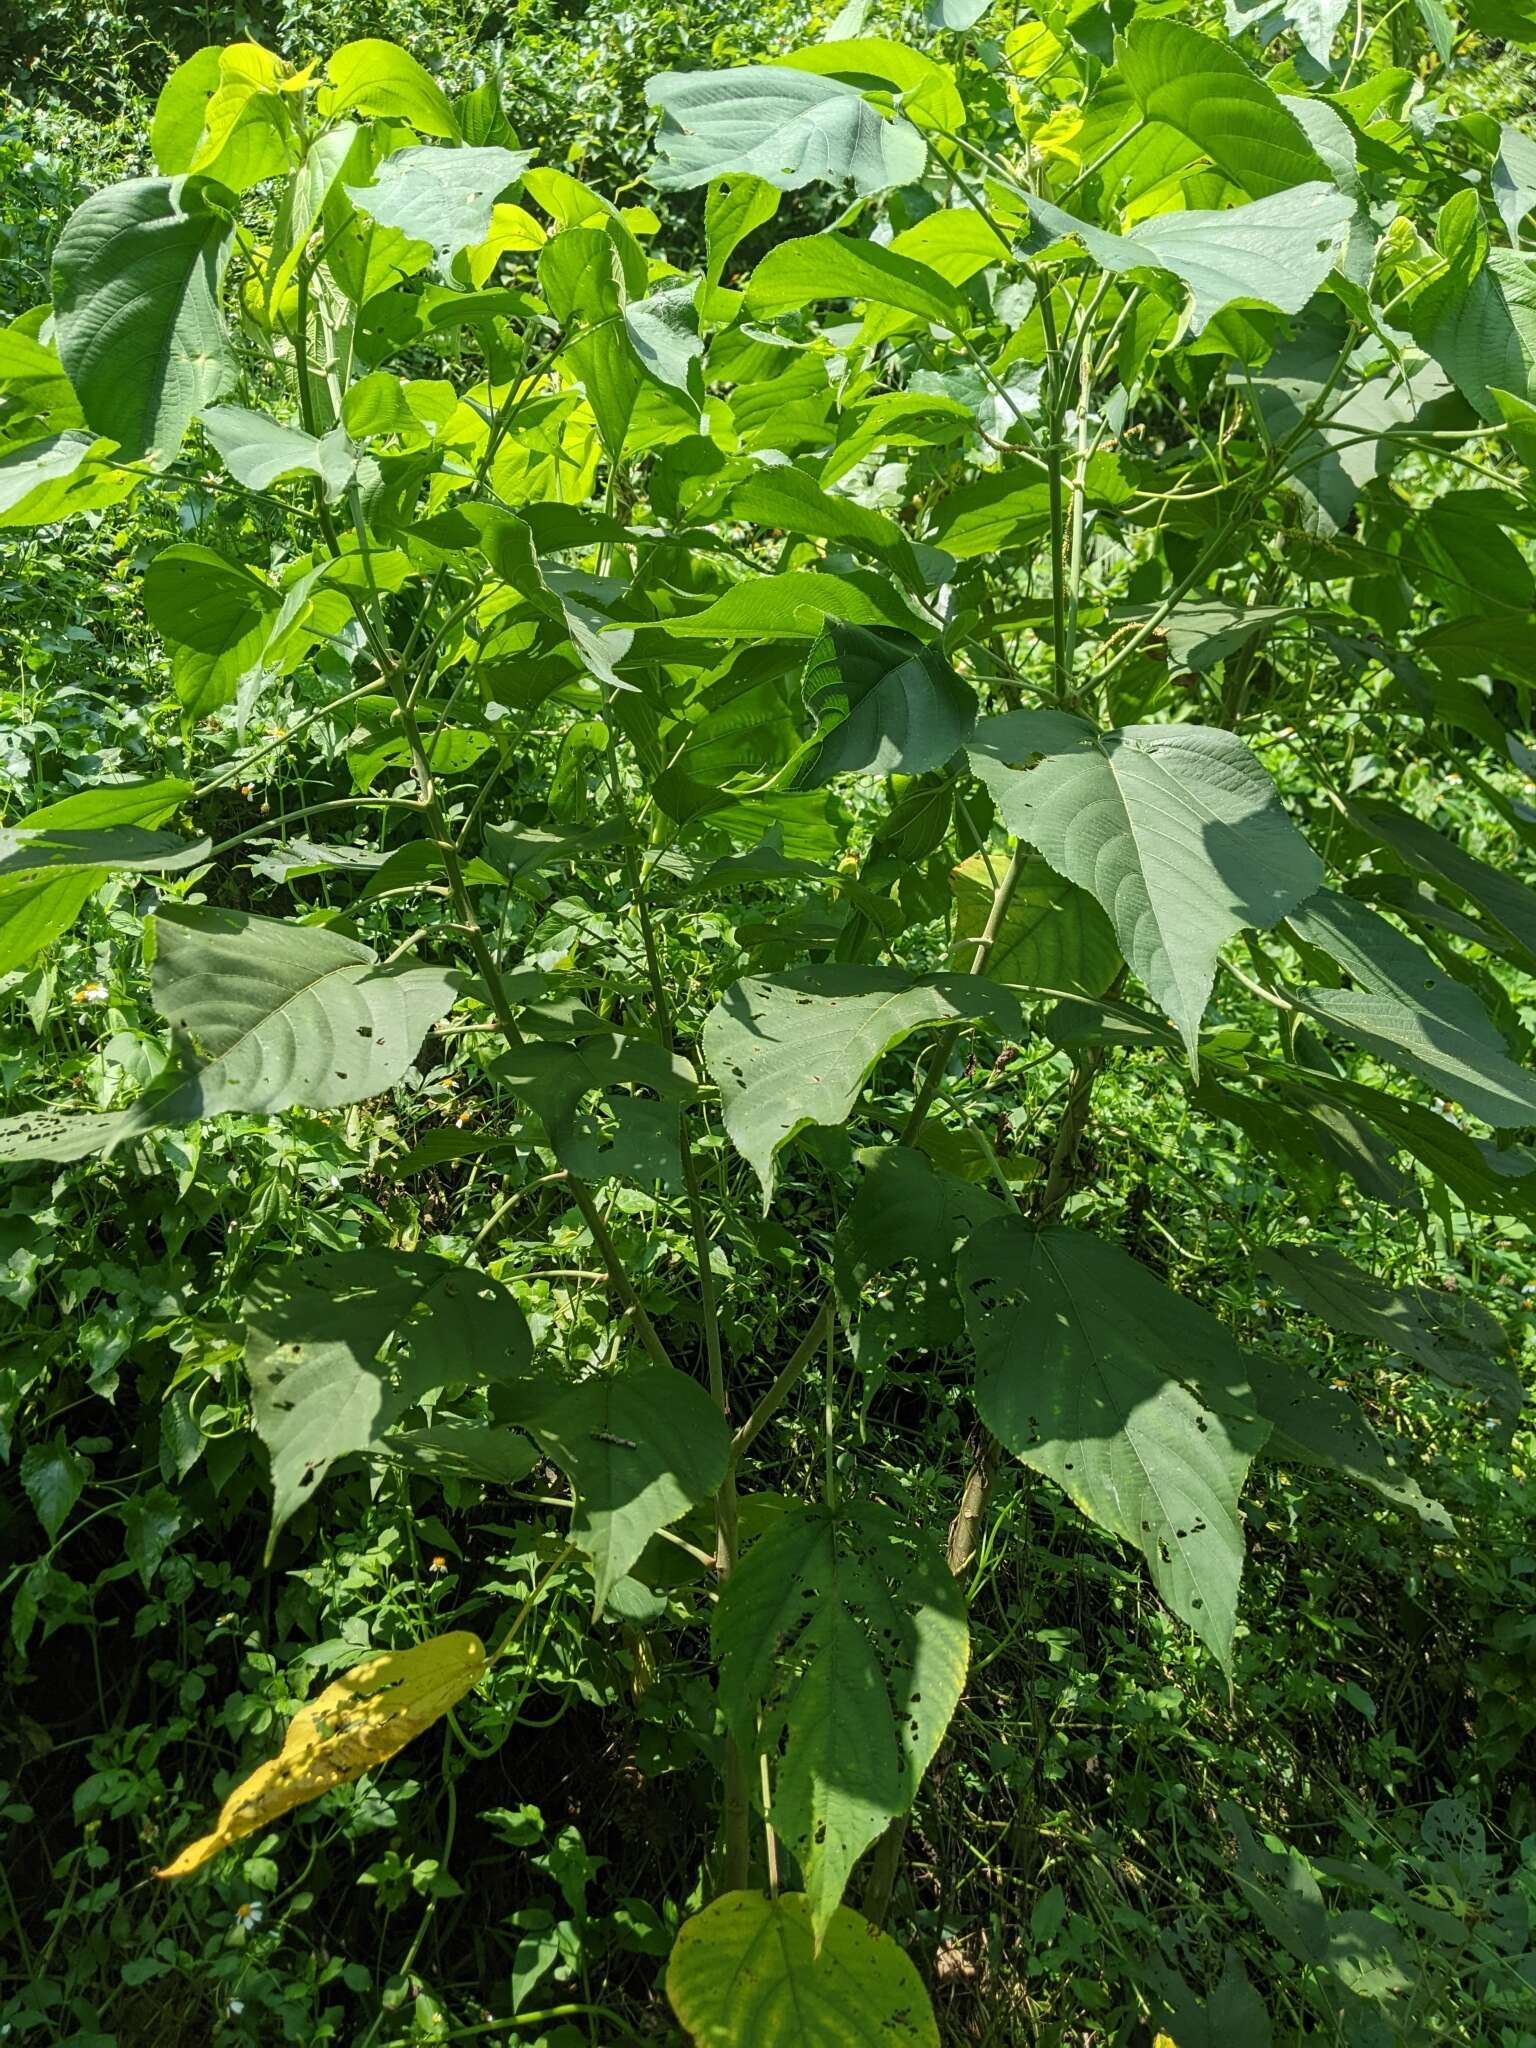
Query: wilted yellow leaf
point(361, 1720)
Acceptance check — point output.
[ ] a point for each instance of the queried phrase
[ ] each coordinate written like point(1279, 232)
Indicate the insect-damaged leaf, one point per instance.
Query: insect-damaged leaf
point(793, 1049)
point(747, 1969)
point(640, 1448)
point(843, 1650)
point(894, 1255)
point(363, 1719)
point(1134, 1400)
point(885, 706)
point(314, 1332)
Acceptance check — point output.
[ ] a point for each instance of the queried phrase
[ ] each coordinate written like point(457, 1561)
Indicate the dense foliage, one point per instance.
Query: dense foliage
point(768, 1156)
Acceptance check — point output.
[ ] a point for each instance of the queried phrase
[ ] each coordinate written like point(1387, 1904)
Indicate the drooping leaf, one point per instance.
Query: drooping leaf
point(137, 278)
point(1203, 89)
point(1481, 329)
point(1133, 1399)
point(53, 478)
point(1053, 935)
point(1175, 829)
point(786, 127)
point(734, 208)
point(359, 1721)
point(883, 706)
point(53, 1478)
point(582, 274)
point(795, 1049)
point(1456, 1340)
point(1321, 1425)
point(748, 1969)
point(1514, 179)
point(443, 197)
point(894, 1255)
point(1272, 252)
point(314, 1334)
point(663, 330)
point(640, 1447)
point(1501, 896)
point(843, 1649)
point(1408, 1011)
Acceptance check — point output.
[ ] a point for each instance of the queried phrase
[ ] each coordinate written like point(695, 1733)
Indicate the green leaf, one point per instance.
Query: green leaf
point(52, 479)
point(177, 127)
point(53, 862)
point(1316, 23)
point(196, 598)
point(640, 1447)
point(1323, 1426)
point(786, 127)
point(748, 1969)
point(842, 1645)
point(314, 1334)
point(283, 1015)
point(1482, 330)
point(374, 77)
point(1514, 179)
point(581, 272)
point(883, 706)
point(894, 1256)
point(1503, 898)
point(787, 607)
point(1134, 1400)
point(1176, 830)
point(1053, 935)
point(780, 495)
point(663, 331)
point(443, 197)
point(1409, 1012)
point(1011, 507)
point(257, 450)
point(53, 1479)
point(795, 1049)
point(815, 268)
point(734, 208)
point(1274, 252)
point(137, 277)
point(1203, 89)
point(637, 1137)
point(1455, 1339)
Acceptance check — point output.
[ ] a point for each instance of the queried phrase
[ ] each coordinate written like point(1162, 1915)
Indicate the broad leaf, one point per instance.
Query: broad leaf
point(1175, 829)
point(1134, 1400)
point(375, 77)
point(1502, 897)
point(802, 273)
point(635, 1136)
point(257, 450)
point(894, 1255)
point(44, 481)
point(786, 127)
point(1456, 1340)
point(795, 1049)
point(1204, 89)
point(883, 706)
point(1053, 935)
point(1273, 252)
point(1321, 1425)
point(1408, 1011)
point(314, 1334)
point(748, 1968)
point(443, 197)
point(843, 1649)
point(49, 871)
point(640, 1447)
point(359, 1721)
point(137, 278)
point(1514, 179)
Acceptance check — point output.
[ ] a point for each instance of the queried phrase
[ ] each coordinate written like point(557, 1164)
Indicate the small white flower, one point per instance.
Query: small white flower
point(251, 1914)
point(235, 2007)
point(91, 992)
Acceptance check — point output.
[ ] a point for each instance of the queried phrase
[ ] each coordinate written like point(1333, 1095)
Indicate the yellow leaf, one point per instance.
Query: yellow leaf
point(1164, 2041)
point(361, 1720)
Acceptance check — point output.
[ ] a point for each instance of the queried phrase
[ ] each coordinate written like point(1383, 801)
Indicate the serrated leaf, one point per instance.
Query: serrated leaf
point(359, 1721)
point(314, 1334)
point(748, 1969)
point(795, 1049)
point(137, 278)
point(640, 1447)
point(843, 1648)
point(1176, 830)
point(1408, 1011)
point(786, 127)
point(1134, 1400)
